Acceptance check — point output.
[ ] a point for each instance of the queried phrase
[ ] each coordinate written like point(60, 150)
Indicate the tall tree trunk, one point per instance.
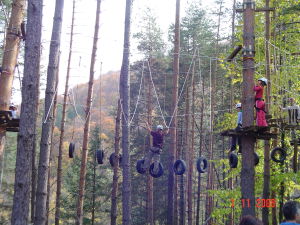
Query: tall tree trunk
point(124, 96)
point(200, 149)
point(51, 147)
point(191, 155)
point(149, 205)
point(213, 76)
point(28, 117)
point(62, 126)
point(114, 192)
point(79, 217)
point(9, 61)
point(266, 189)
point(33, 161)
point(247, 173)
point(172, 151)
point(41, 194)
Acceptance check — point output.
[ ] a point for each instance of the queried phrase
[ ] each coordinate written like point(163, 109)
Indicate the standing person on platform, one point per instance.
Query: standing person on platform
point(236, 139)
point(260, 103)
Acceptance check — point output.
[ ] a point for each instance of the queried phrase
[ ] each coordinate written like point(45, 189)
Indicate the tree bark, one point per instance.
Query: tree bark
point(200, 150)
point(9, 61)
point(79, 217)
point(173, 147)
point(28, 117)
point(114, 192)
point(124, 96)
point(191, 155)
point(51, 147)
point(41, 194)
point(149, 204)
point(247, 173)
point(62, 126)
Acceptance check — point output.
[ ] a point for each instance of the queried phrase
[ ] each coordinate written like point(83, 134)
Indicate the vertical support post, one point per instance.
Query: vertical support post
point(247, 173)
point(170, 217)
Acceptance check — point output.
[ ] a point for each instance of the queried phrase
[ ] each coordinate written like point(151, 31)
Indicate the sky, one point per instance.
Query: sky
point(111, 33)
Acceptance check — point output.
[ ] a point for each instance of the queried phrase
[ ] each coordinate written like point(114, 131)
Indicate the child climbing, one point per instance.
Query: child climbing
point(156, 149)
point(260, 103)
point(237, 139)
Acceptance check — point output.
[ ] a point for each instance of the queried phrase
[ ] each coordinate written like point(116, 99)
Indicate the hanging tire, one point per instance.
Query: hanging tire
point(160, 170)
point(71, 150)
point(281, 152)
point(233, 160)
point(179, 167)
point(111, 159)
point(139, 166)
point(256, 159)
point(100, 156)
point(202, 165)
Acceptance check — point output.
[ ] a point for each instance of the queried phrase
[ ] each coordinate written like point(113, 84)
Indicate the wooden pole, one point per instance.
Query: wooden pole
point(173, 147)
point(149, 205)
point(41, 193)
point(247, 173)
point(52, 146)
point(114, 192)
point(125, 98)
point(79, 216)
point(62, 126)
point(191, 154)
point(28, 116)
point(10, 55)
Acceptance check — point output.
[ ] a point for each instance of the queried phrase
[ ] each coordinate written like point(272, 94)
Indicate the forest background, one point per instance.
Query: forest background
point(204, 48)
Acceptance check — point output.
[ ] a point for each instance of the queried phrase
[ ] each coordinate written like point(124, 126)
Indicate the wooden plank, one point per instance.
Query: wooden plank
point(234, 53)
point(257, 10)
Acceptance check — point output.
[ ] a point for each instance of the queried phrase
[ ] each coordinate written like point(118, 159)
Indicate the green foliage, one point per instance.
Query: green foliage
point(102, 187)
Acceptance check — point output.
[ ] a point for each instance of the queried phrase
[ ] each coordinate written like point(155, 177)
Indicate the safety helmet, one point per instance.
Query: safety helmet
point(238, 105)
point(159, 127)
point(265, 80)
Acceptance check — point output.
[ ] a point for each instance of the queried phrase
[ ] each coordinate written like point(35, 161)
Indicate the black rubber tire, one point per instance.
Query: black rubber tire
point(233, 160)
point(111, 159)
point(200, 168)
point(282, 152)
point(179, 167)
point(139, 165)
point(256, 159)
point(160, 170)
point(100, 156)
point(71, 150)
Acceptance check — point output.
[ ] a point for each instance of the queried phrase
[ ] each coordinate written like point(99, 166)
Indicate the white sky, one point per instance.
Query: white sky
point(110, 33)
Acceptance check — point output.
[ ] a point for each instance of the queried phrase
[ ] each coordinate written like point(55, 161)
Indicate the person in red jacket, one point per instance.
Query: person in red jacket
point(260, 103)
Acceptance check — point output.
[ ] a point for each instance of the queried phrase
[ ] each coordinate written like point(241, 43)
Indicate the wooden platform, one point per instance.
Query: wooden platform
point(253, 131)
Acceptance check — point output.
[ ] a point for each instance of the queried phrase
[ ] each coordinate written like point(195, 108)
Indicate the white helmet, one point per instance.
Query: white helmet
point(238, 105)
point(265, 80)
point(159, 127)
